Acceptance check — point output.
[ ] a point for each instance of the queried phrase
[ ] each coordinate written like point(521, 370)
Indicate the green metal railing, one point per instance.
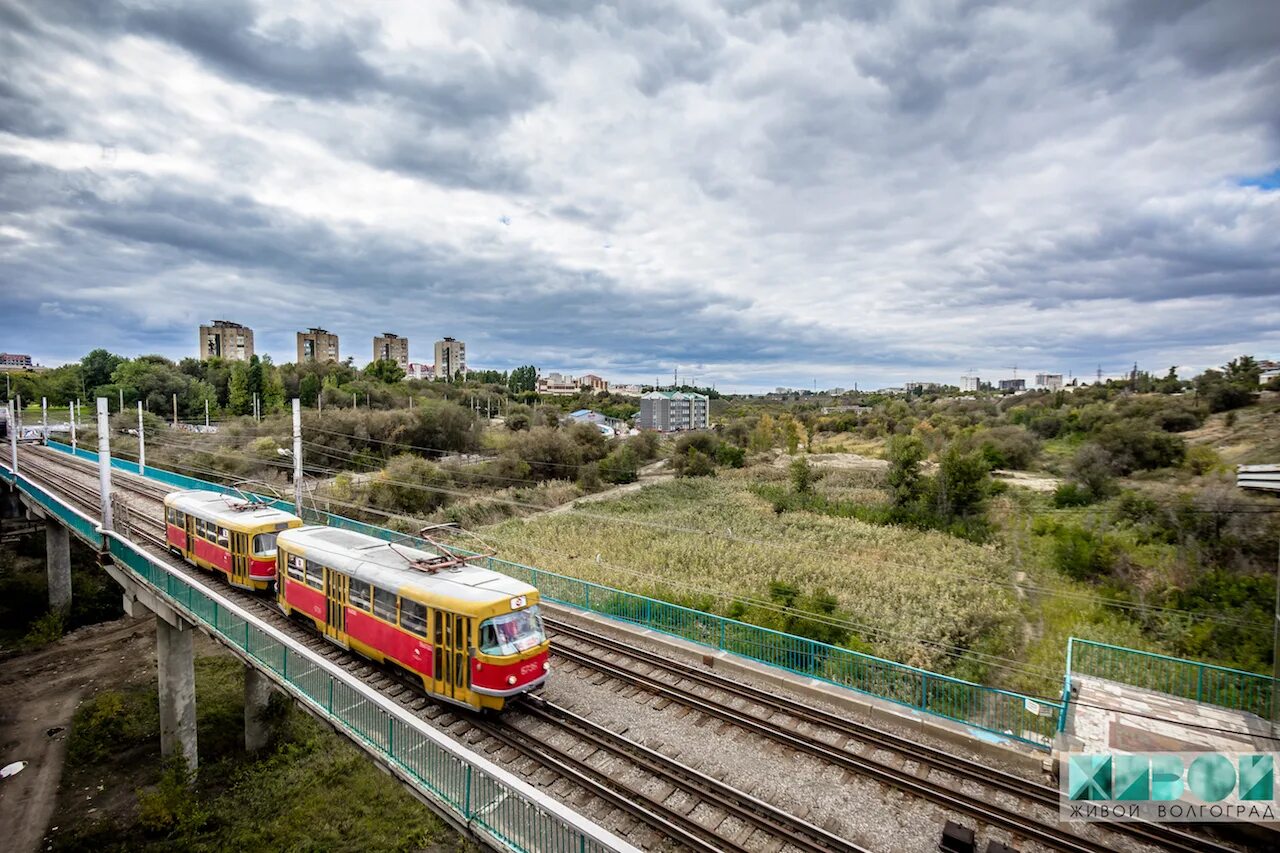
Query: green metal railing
point(1188, 679)
point(1024, 718)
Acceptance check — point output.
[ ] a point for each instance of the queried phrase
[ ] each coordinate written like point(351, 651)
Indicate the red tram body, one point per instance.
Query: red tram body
point(225, 534)
point(470, 635)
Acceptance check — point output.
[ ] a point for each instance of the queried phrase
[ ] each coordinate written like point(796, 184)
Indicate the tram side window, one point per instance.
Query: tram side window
point(413, 617)
point(358, 593)
point(169, 516)
point(315, 574)
point(224, 537)
point(297, 567)
point(384, 605)
point(200, 528)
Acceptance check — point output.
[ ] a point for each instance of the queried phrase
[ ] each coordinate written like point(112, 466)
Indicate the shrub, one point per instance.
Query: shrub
point(1081, 555)
point(1177, 420)
point(1005, 447)
point(1135, 447)
point(1093, 468)
point(1072, 494)
point(410, 485)
point(694, 463)
point(589, 477)
point(730, 455)
point(960, 486)
point(1201, 460)
point(801, 476)
point(517, 421)
point(620, 466)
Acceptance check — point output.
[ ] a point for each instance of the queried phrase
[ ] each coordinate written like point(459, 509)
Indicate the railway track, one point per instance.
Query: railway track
point(981, 806)
point(723, 810)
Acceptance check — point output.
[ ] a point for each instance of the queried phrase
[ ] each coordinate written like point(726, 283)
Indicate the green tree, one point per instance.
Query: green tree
point(906, 452)
point(1094, 469)
point(523, 379)
point(1243, 372)
point(801, 476)
point(309, 389)
point(97, 367)
point(385, 370)
point(239, 397)
point(961, 485)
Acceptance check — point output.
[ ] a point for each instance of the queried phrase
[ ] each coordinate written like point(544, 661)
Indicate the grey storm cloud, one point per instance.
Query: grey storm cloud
point(763, 192)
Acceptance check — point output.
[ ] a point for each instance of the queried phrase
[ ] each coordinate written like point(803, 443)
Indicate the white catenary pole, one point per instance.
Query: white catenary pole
point(13, 437)
point(206, 414)
point(19, 405)
point(74, 415)
point(44, 419)
point(142, 443)
point(121, 390)
point(175, 411)
point(297, 456)
point(104, 463)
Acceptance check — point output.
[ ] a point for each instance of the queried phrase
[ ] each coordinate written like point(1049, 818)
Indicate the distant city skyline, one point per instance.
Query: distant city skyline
point(762, 193)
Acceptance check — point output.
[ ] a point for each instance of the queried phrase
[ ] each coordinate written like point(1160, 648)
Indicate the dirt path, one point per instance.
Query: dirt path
point(41, 692)
point(1034, 482)
point(656, 472)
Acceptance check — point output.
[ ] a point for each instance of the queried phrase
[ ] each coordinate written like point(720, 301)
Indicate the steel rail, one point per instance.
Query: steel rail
point(1009, 783)
point(750, 810)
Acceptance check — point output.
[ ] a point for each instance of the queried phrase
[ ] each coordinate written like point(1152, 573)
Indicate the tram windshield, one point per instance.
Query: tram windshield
point(512, 632)
point(264, 545)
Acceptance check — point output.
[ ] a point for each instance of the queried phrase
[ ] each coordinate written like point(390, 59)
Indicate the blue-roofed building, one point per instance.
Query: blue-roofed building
point(608, 426)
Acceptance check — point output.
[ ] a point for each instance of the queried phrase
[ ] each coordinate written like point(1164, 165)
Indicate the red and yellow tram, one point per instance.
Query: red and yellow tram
point(226, 534)
point(473, 636)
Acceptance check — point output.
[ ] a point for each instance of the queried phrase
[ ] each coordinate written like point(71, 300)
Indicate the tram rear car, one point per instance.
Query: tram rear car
point(224, 534)
point(470, 635)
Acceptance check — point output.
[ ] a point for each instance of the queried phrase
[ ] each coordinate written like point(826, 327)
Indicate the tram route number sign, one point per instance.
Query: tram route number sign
point(1170, 787)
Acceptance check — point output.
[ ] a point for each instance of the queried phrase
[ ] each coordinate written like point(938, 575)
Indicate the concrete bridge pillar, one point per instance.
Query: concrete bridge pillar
point(57, 546)
point(257, 693)
point(176, 664)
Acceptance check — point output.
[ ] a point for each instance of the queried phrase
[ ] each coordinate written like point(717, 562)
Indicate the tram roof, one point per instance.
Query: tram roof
point(227, 510)
point(376, 561)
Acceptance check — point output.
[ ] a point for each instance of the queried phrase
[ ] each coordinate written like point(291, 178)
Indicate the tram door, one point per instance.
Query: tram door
point(335, 593)
point(189, 524)
point(451, 659)
point(239, 558)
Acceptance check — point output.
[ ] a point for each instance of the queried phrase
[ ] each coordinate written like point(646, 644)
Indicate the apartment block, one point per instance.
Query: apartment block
point(317, 345)
point(1012, 385)
point(970, 383)
point(1049, 381)
point(451, 358)
point(391, 347)
point(225, 339)
point(15, 361)
point(674, 411)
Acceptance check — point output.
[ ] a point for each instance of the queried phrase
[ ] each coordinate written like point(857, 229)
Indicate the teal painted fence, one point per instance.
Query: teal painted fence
point(1188, 679)
point(1024, 718)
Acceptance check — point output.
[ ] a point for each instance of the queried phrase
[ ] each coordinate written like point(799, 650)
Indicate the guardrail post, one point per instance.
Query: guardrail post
point(1199, 683)
point(924, 692)
point(466, 796)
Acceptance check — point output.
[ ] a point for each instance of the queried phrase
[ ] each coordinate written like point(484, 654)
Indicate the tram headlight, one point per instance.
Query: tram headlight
point(511, 679)
point(546, 666)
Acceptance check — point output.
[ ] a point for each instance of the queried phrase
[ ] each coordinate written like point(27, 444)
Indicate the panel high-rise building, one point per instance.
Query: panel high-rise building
point(225, 339)
point(451, 358)
point(391, 347)
point(674, 411)
point(317, 345)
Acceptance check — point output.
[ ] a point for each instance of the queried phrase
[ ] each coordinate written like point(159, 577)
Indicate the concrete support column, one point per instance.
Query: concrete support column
point(257, 693)
point(176, 665)
point(57, 547)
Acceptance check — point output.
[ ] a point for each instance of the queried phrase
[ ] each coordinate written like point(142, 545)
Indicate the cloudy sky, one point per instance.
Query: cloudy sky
point(761, 193)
